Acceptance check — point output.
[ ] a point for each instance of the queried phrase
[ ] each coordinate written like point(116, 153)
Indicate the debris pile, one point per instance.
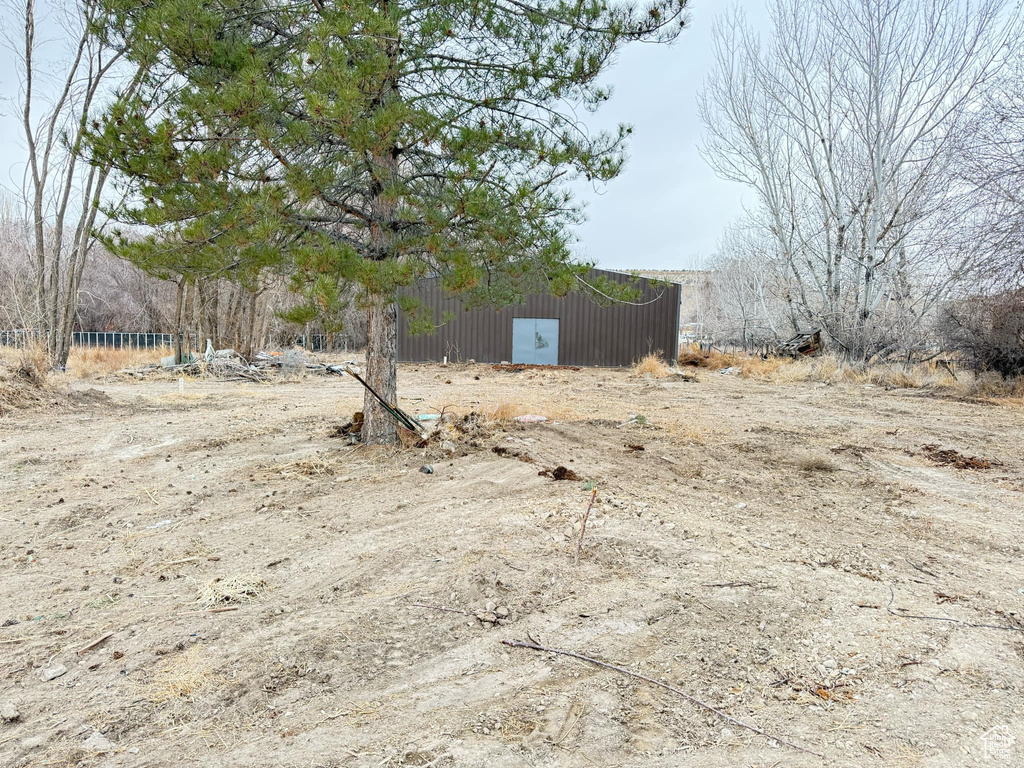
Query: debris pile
point(949, 457)
point(520, 367)
point(559, 473)
point(229, 365)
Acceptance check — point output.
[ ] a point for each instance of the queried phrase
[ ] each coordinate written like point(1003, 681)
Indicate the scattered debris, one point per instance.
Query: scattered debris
point(666, 686)
point(947, 456)
point(732, 370)
point(520, 367)
point(401, 417)
point(426, 469)
point(634, 447)
point(512, 453)
point(638, 419)
point(441, 608)
point(559, 473)
point(351, 428)
point(899, 612)
point(800, 345)
point(529, 418)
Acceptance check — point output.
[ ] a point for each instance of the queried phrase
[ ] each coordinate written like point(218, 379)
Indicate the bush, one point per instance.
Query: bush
point(652, 364)
point(988, 332)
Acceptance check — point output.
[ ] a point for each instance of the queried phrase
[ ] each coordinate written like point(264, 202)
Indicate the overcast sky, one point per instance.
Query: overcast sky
point(665, 211)
point(668, 208)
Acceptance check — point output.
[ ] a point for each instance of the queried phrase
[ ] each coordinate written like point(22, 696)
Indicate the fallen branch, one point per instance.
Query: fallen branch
point(183, 560)
point(96, 642)
point(652, 681)
point(583, 528)
point(729, 584)
point(441, 608)
point(209, 610)
point(892, 599)
point(920, 568)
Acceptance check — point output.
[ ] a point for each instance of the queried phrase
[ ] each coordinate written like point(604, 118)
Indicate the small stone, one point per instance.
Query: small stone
point(502, 612)
point(487, 617)
point(741, 505)
point(52, 673)
point(97, 743)
point(34, 742)
point(829, 664)
point(490, 606)
point(426, 469)
point(133, 750)
point(9, 712)
point(448, 446)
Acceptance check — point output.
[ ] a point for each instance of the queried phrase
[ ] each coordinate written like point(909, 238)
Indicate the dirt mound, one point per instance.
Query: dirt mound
point(21, 387)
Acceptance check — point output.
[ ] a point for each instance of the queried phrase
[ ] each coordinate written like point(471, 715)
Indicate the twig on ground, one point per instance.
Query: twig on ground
point(920, 568)
point(95, 642)
point(892, 599)
point(183, 560)
point(441, 608)
point(209, 610)
point(583, 528)
point(652, 681)
point(729, 584)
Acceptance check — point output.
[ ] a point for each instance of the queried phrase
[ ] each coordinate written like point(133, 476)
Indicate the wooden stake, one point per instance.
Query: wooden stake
point(96, 642)
point(583, 528)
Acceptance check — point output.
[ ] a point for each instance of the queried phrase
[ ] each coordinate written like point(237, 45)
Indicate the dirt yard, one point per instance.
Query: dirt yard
point(755, 548)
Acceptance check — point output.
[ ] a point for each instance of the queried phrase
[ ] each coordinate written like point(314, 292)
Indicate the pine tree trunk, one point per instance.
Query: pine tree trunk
point(381, 372)
point(179, 318)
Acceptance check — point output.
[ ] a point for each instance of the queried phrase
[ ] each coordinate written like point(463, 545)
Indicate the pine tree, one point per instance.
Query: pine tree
point(371, 142)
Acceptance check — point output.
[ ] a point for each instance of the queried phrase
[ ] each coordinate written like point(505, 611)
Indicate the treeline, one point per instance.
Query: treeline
point(884, 144)
point(115, 295)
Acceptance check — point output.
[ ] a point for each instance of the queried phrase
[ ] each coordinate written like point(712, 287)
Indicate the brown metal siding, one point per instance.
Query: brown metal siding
point(588, 334)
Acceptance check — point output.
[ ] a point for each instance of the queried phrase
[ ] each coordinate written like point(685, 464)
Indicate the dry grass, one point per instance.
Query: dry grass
point(181, 678)
point(239, 588)
point(503, 410)
point(651, 365)
point(987, 387)
point(90, 362)
point(816, 464)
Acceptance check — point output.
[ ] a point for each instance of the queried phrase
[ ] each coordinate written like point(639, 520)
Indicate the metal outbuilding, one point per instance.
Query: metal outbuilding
point(547, 330)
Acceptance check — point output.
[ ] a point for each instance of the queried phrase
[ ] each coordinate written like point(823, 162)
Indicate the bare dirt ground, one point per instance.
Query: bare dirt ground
point(745, 556)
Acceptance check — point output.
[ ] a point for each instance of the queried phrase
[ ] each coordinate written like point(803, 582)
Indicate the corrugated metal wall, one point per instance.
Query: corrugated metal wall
point(588, 333)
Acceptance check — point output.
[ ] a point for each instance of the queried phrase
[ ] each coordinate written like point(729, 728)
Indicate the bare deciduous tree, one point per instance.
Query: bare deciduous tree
point(846, 123)
point(61, 192)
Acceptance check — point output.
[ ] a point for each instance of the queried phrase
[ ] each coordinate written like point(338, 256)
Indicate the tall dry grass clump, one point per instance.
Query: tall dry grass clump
point(90, 362)
point(651, 364)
